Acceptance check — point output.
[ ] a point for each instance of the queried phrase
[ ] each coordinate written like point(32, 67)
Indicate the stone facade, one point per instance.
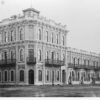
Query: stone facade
point(32, 50)
point(83, 66)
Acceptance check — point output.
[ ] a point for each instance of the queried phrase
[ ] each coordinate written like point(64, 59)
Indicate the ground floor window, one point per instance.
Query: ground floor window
point(0, 77)
point(12, 76)
point(22, 76)
point(47, 75)
point(58, 75)
point(40, 75)
point(5, 76)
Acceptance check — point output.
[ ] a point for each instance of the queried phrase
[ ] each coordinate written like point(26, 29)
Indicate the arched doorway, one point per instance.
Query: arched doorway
point(31, 77)
point(63, 76)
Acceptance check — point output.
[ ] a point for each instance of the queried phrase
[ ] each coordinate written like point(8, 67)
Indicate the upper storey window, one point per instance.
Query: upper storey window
point(47, 36)
point(21, 35)
point(63, 40)
point(5, 36)
point(40, 34)
point(0, 37)
point(21, 55)
point(57, 39)
point(52, 38)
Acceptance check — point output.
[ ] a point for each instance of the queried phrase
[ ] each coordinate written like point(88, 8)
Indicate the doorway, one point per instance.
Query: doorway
point(31, 77)
point(63, 76)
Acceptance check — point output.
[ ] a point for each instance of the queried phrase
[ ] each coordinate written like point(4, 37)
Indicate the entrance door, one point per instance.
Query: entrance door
point(31, 77)
point(63, 76)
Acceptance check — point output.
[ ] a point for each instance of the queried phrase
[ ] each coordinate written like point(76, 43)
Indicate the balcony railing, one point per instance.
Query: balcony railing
point(80, 66)
point(51, 62)
point(31, 60)
point(7, 62)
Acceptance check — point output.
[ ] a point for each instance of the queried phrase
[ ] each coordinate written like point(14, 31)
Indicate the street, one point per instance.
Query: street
point(50, 91)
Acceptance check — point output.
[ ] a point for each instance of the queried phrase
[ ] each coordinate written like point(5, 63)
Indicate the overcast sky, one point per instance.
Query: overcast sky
point(82, 18)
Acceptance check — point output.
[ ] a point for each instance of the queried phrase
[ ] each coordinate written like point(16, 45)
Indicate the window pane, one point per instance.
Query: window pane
point(22, 76)
point(5, 76)
point(40, 75)
point(12, 75)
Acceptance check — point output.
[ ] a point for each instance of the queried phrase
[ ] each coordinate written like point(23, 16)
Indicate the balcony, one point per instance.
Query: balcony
point(50, 62)
point(31, 60)
point(7, 63)
point(80, 66)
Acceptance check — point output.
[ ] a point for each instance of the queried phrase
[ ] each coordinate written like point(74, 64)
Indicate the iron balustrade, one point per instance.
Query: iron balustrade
point(7, 62)
point(80, 66)
point(51, 62)
point(31, 60)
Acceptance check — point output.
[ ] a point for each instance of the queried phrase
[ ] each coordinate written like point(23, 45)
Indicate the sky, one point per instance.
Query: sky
point(82, 18)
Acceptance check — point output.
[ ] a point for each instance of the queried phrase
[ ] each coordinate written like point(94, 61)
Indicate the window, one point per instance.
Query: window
point(12, 76)
point(93, 63)
point(47, 39)
point(63, 41)
point(21, 55)
point(11, 37)
point(57, 56)
point(52, 37)
point(78, 61)
point(97, 63)
point(5, 37)
point(39, 55)
point(57, 38)
point(47, 75)
point(0, 77)
point(88, 62)
point(52, 55)
point(40, 34)
point(74, 61)
point(31, 53)
point(21, 76)
point(12, 55)
point(5, 55)
point(47, 55)
point(40, 75)
point(21, 34)
point(84, 62)
point(58, 75)
point(63, 57)
point(5, 76)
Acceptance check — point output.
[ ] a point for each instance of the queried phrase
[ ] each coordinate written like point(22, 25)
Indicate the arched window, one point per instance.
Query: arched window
point(57, 56)
point(21, 34)
point(21, 76)
point(78, 61)
point(47, 55)
point(12, 55)
point(40, 34)
point(5, 36)
point(58, 75)
point(63, 40)
point(21, 55)
point(47, 39)
point(47, 75)
point(40, 75)
point(12, 76)
point(57, 39)
point(74, 61)
point(5, 76)
point(11, 36)
point(39, 55)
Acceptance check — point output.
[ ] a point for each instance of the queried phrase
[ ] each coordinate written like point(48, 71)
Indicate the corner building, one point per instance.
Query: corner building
point(32, 50)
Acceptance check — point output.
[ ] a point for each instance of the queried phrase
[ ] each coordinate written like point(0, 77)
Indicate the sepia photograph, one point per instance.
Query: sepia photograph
point(49, 48)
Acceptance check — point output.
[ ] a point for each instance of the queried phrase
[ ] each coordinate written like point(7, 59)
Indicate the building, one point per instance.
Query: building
point(32, 50)
point(83, 66)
